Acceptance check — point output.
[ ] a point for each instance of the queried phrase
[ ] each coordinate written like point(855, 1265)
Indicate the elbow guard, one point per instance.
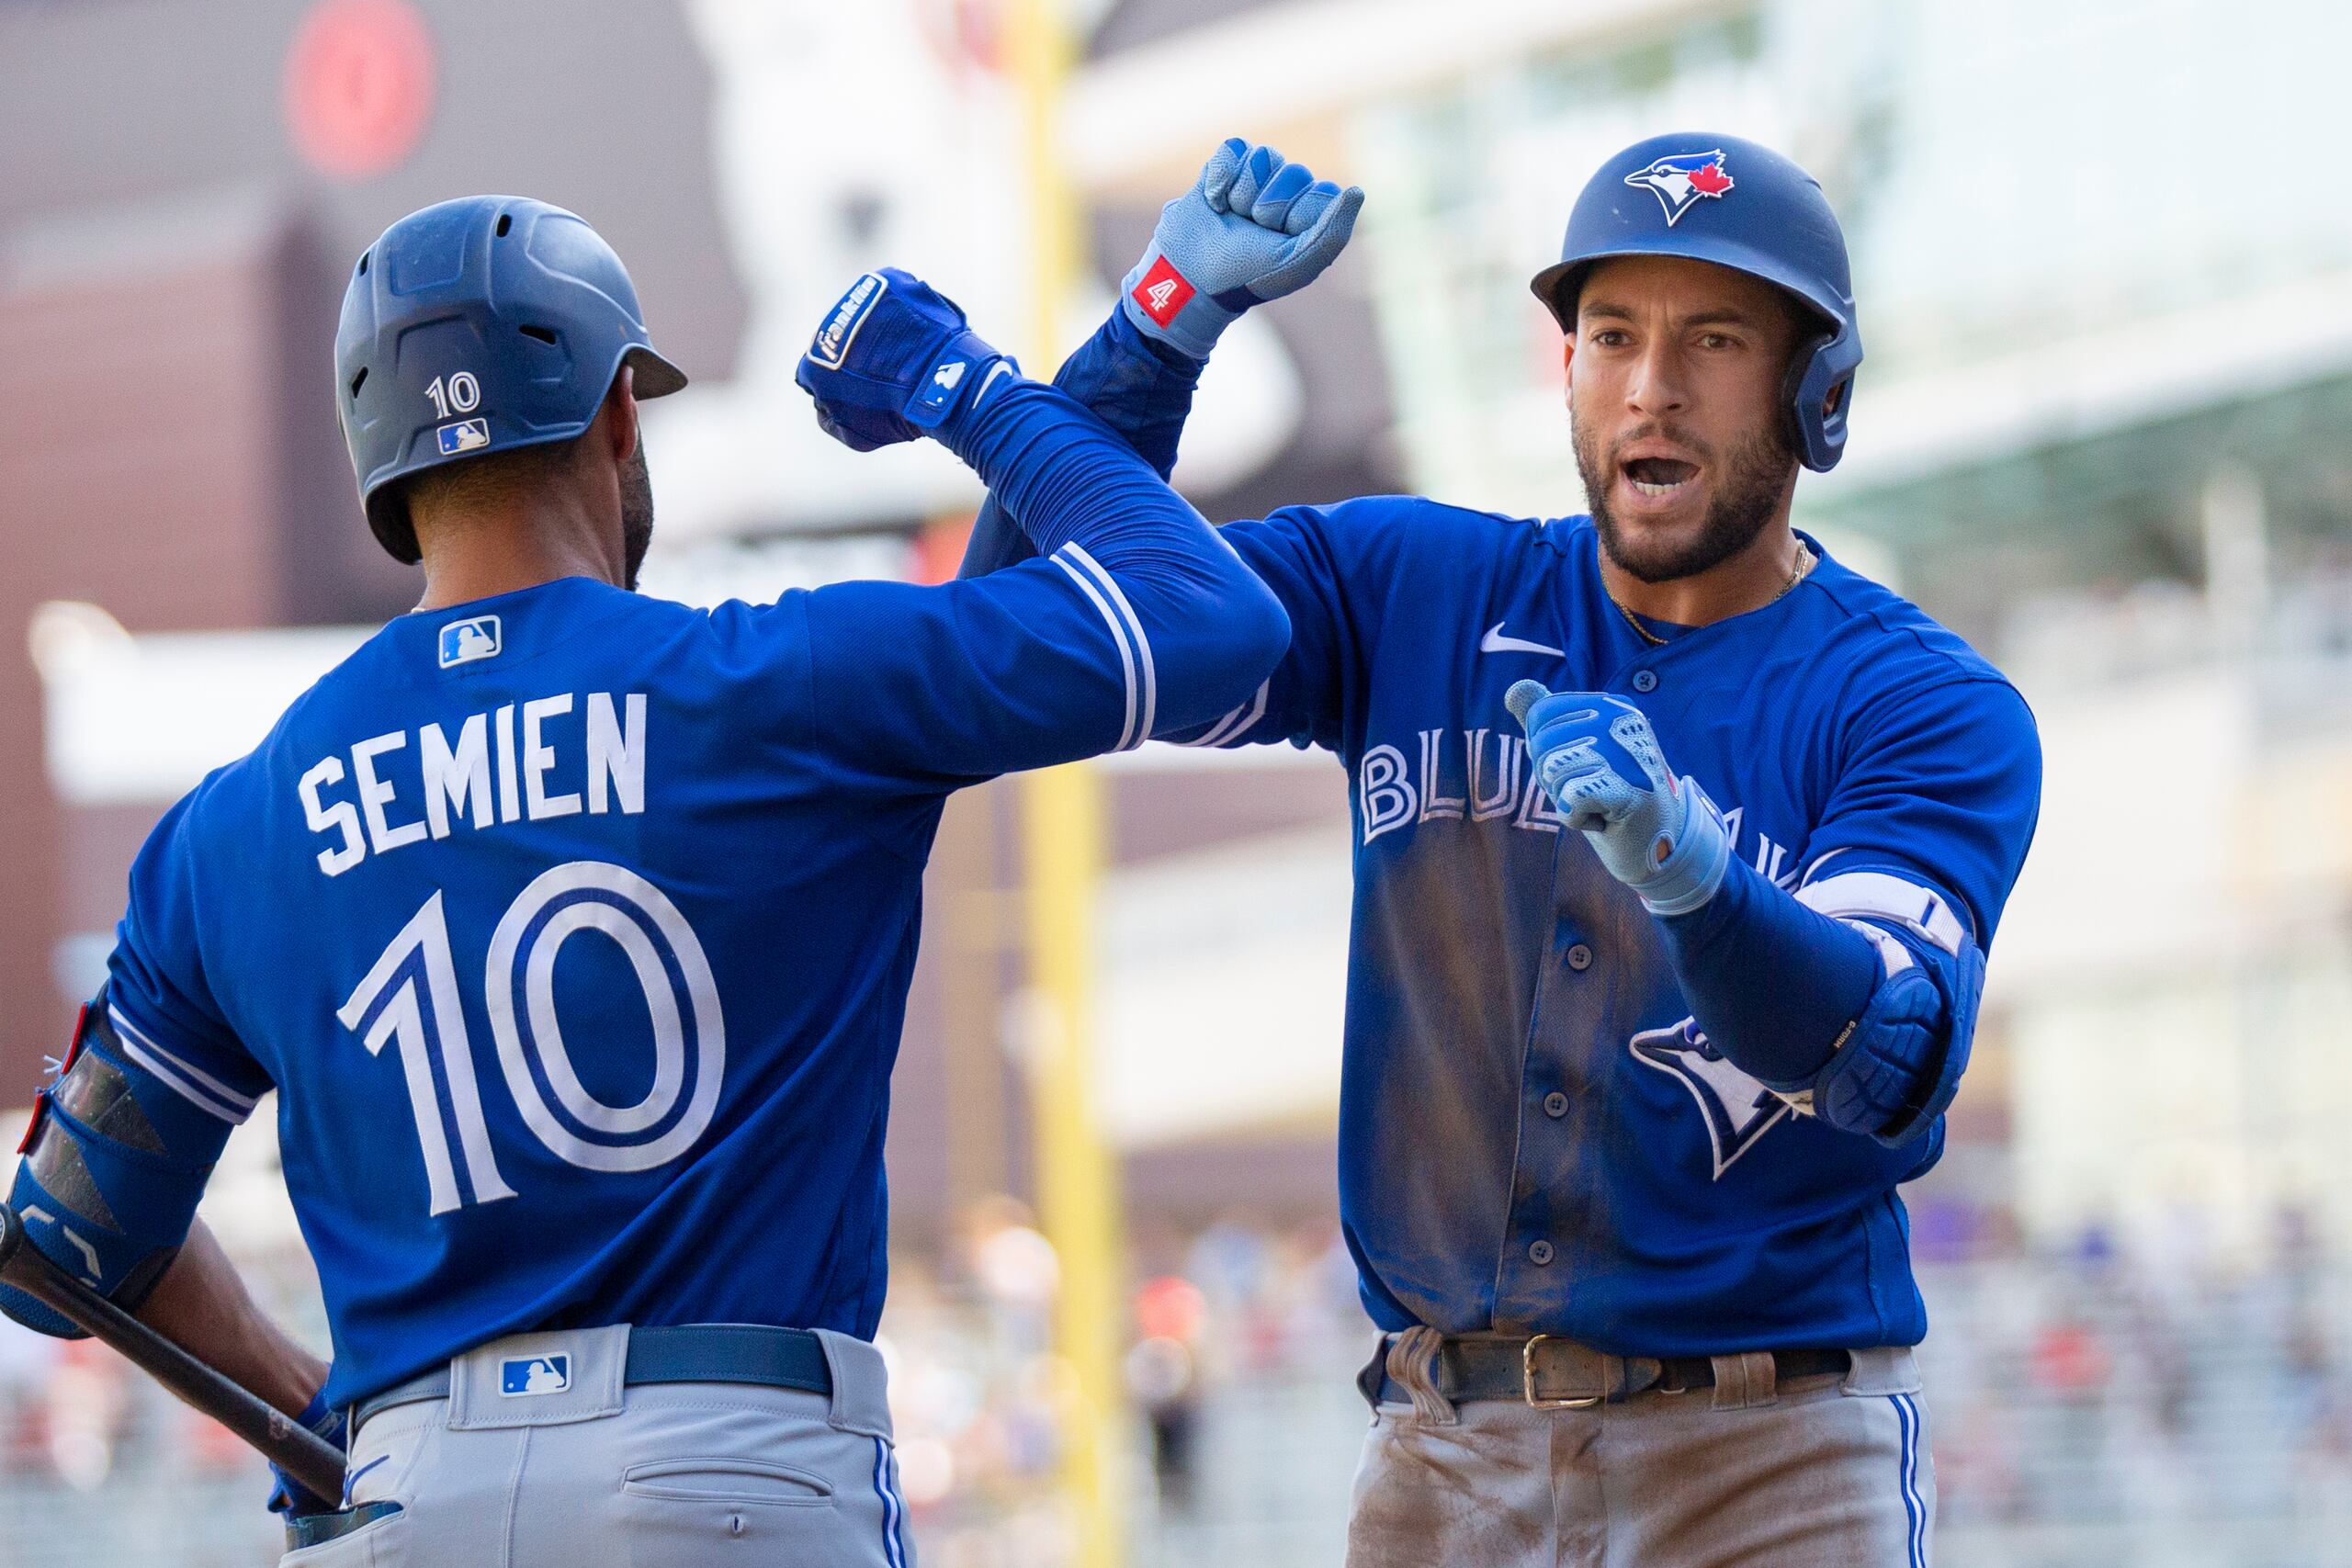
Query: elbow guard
point(1898, 1066)
point(114, 1162)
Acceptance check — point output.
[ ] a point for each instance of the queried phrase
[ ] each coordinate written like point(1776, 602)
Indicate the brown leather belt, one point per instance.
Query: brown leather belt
point(1551, 1373)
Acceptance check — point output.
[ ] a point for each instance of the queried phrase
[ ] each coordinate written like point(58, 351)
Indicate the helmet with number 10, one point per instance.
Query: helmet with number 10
point(480, 325)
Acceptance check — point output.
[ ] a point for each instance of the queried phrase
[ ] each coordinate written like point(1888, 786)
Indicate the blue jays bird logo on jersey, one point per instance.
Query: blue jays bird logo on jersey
point(1739, 1109)
point(1678, 182)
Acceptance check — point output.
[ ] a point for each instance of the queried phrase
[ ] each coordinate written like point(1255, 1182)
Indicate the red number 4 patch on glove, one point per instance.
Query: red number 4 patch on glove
point(1163, 291)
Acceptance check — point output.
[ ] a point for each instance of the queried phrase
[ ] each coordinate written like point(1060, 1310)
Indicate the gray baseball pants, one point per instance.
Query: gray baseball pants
point(1824, 1473)
point(663, 1475)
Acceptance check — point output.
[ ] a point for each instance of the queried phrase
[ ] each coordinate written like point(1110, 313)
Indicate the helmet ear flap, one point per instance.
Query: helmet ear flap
point(1793, 387)
point(1815, 395)
point(387, 511)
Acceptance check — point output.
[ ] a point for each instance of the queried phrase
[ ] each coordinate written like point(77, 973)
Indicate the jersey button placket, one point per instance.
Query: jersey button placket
point(1645, 681)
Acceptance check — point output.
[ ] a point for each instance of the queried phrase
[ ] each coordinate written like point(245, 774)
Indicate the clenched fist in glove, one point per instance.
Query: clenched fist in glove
point(1599, 760)
point(893, 360)
point(1253, 229)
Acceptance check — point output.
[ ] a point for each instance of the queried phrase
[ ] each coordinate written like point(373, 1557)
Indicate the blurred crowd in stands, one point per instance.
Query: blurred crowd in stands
point(2088, 1405)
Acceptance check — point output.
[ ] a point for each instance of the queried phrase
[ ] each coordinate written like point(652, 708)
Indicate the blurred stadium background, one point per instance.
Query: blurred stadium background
point(2106, 285)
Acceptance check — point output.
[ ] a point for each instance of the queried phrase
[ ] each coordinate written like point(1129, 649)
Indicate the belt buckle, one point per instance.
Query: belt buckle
point(1526, 1381)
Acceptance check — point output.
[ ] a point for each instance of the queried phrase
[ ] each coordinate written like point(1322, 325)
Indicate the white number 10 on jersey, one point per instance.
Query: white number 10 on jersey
point(411, 998)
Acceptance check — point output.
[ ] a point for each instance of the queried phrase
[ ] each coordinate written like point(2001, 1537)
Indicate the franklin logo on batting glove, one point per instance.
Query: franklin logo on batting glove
point(839, 328)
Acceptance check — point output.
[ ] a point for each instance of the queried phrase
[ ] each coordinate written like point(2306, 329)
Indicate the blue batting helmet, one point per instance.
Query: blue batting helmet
point(1720, 199)
point(480, 325)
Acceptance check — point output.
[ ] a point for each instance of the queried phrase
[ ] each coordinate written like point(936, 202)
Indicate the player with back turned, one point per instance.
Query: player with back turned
point(573, 927)
point(1652, 1008)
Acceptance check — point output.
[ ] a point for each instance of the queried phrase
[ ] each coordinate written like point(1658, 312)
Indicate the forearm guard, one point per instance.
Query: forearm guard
point(114, 1162)
point(1898, 1064)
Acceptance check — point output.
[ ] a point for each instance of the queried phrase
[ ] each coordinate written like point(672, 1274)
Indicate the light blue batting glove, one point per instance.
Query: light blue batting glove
point(1599, 760)
point(1253, 229)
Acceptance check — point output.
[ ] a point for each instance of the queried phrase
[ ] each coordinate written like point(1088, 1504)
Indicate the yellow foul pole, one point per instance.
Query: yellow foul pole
point(1078, 1196)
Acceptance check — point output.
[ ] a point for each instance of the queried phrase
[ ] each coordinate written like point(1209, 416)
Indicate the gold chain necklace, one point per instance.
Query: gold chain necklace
point(1797, 575)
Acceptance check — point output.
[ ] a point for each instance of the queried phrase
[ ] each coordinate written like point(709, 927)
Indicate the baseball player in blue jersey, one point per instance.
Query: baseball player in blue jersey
point(573, 927)
point(1678, 849)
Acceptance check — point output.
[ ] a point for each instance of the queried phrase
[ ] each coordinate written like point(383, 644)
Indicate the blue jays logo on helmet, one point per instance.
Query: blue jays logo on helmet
point(1680, 180)
point(1739, 1109)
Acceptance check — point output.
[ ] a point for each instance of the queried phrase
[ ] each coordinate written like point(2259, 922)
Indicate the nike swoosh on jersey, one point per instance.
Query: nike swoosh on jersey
point(1494, 642)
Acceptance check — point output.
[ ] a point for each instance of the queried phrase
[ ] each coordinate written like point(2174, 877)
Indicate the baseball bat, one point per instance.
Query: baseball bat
point(303, 1455)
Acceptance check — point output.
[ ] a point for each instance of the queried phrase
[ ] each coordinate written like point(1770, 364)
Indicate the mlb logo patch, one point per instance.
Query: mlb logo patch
point(466, 435)
point(464, 641)
point(830, 345)
point(1163, 291)
point(520, 1377)
point(1682, 181)
point(938, 394)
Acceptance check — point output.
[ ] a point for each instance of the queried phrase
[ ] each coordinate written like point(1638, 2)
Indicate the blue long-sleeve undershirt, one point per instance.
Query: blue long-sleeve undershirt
point(1062, 474)
point(976, 678)
point(1143, 390)
point(1772, 982)
point(1143, 604)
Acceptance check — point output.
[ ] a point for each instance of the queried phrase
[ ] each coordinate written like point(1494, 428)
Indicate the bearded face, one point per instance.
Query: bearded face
point(1746, 489)
point(637, 515)
point(1676, 373)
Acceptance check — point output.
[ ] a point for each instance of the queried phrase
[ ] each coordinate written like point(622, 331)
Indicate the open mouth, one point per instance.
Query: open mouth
point(1658, 478)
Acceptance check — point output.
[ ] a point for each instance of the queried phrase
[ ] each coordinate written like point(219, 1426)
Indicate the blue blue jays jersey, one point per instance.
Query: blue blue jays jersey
point(1534, 1137)
point(575, 929)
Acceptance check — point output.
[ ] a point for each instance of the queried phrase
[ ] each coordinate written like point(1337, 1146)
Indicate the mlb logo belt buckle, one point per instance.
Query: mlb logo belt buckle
point(1527, 1383)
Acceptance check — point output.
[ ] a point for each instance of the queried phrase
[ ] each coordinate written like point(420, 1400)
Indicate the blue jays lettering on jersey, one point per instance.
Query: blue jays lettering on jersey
point(577, 926)
point(1534, 1135)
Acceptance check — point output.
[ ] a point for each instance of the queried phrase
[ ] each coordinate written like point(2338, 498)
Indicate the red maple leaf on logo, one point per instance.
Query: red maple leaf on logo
point(1708, 179)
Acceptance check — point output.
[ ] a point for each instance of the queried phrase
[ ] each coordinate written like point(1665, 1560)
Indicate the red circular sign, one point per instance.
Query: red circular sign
point(359, 86)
